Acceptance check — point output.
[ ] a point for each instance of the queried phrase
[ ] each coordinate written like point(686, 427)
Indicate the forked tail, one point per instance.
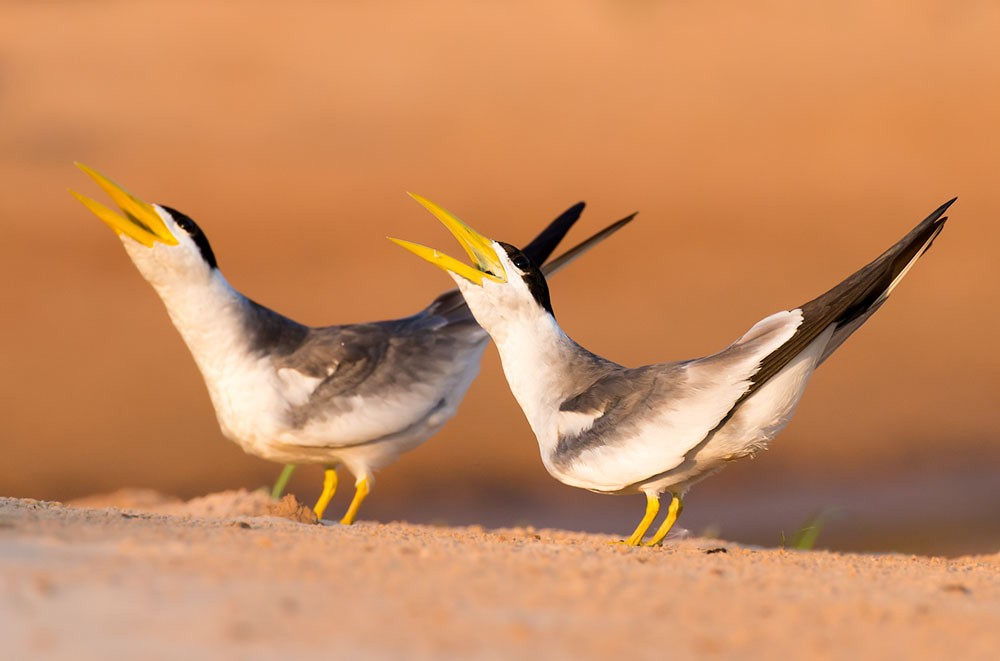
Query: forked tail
point(850, 304)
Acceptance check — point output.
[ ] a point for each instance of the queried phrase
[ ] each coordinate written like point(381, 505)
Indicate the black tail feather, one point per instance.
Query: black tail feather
point(864, 288)
point(541, 246)
point(854, 299)
point(554, 265)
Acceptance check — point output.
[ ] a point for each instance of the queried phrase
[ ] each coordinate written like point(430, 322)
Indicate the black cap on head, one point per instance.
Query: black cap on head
point(188, 225)
point(532, 276)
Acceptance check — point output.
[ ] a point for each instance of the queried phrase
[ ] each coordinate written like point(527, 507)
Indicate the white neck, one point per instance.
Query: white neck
point(208, 314)
point(543, 367)
point(212, 319)
point(542, 364)
point(205, 309)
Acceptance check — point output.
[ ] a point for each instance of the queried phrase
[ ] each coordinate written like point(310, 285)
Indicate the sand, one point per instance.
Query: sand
point(87, 583)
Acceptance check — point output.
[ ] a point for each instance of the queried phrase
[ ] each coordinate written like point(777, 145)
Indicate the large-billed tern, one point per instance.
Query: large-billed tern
point(659, 428)
point(357, 395)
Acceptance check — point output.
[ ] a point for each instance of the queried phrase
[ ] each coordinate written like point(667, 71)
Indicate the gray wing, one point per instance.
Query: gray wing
point(387, 375)
point(355, 383)
point(377, 358)
point(343, 357)
point(617, 403)
point(629, 424)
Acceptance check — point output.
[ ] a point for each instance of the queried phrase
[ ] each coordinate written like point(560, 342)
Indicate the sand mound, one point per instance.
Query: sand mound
point(222, 505)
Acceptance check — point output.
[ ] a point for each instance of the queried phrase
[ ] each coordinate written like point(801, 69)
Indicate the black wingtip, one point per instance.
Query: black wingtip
point(617, 225)
point(542, 246)
point(936, 215)
point(582, 247)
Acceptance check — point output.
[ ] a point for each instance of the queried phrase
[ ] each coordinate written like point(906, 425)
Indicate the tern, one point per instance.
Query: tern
point(355, 395)
point(659, 428)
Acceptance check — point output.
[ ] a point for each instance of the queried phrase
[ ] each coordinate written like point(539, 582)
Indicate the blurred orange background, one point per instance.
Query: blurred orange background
point(771, 149)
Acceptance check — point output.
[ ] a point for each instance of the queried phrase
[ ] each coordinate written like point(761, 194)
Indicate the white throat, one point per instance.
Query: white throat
point(542, 364)
point(204, 308)
point(210, 317)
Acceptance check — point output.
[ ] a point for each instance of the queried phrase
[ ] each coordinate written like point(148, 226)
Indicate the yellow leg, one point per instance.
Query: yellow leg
point(652, 507)
point(674, 511)
point(329, 488)
point(360, 493)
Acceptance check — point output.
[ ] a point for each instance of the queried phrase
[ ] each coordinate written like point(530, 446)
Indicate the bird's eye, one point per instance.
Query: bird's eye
point(521, 262)
point(184, 223)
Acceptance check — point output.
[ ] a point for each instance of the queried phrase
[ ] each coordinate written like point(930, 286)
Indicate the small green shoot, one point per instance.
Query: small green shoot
point(279, 487)
point(805, 537)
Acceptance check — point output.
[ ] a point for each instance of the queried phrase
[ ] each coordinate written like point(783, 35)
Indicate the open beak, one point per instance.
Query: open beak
point(478, 247)
point(139, 221)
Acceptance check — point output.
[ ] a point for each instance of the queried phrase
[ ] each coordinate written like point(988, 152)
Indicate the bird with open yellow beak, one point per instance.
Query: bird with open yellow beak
point(356, 395)
point(659, 428)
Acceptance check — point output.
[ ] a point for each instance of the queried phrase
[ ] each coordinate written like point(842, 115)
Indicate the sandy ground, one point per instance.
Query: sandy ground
point(89, 583)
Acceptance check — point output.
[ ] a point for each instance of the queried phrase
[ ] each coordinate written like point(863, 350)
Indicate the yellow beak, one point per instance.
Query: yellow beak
point(478, 247)
point(140, 221)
